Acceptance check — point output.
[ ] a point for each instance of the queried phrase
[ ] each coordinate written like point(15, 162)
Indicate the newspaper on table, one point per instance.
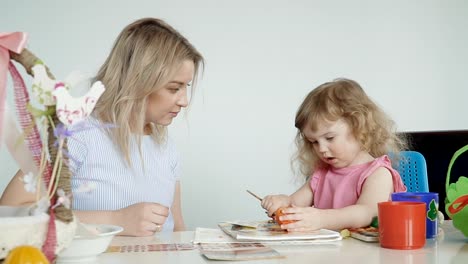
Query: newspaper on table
point(265, 232)
point(269, 231)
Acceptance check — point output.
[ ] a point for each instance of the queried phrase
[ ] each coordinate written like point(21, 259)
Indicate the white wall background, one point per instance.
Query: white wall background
point(262, 58)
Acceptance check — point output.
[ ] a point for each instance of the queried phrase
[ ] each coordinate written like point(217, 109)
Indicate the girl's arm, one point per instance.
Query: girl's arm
point(303, 196)
point(176, 209)
point(377, 188)
point(15, 194)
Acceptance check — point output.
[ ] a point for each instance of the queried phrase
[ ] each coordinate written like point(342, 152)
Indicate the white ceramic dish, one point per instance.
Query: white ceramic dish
point(88, 243)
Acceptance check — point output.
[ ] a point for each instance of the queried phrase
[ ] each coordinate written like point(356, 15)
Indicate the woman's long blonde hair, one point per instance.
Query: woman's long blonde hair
point(344, 99)
point(144, 57)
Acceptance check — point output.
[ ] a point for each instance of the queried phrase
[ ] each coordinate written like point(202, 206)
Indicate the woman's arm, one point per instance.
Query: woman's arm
point(137, 220)
point(140, 219)
point(176, 209)
point(15, 194)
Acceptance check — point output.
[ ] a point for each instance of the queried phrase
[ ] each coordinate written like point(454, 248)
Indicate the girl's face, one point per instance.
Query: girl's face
point(335, 144)
point(166, 103)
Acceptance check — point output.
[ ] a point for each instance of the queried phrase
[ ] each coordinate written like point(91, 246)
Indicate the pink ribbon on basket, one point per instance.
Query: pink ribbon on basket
point(25, 118)
point(9, 41)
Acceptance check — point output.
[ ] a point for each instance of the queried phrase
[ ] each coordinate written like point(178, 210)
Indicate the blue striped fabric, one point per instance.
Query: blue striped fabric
point(95, 159)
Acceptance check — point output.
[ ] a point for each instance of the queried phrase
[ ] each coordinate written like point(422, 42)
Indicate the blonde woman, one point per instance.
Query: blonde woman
point(343, 139)
point(128, 156)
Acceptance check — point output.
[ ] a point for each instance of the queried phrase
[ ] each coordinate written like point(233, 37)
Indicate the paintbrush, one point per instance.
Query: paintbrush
point(254, 195)
point(260, 199)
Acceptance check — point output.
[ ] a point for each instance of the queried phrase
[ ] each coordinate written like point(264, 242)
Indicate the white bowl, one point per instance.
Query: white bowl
point(87, 245)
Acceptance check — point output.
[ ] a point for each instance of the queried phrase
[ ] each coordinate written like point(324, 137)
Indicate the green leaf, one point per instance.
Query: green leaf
point(432, 212)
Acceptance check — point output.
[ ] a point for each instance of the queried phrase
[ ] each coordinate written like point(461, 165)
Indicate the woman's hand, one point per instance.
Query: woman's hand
point(272, 202)
point(305, 219)
point(142, 219)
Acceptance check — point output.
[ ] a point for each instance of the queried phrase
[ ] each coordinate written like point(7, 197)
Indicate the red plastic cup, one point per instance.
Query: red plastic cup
point(402, 225)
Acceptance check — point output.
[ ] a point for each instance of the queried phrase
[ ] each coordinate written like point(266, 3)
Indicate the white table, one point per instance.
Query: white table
point(450, 247)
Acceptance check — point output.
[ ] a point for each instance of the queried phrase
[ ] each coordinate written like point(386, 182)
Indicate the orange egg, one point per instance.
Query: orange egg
point(278, 213)
point(26, 255)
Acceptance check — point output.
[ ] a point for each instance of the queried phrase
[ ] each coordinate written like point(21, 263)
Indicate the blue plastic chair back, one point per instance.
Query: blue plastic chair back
point(413, 171)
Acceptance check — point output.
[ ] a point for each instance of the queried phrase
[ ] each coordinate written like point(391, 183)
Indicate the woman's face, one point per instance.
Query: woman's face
point(166, 103)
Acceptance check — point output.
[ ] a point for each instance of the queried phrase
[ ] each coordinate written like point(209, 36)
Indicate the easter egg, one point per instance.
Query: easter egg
point(26, 255)
point(278, 213)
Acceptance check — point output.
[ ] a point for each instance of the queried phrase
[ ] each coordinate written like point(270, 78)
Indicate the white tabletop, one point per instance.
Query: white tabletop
point(450, 247)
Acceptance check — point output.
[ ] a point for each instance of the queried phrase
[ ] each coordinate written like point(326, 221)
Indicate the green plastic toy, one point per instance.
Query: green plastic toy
point(456, 200)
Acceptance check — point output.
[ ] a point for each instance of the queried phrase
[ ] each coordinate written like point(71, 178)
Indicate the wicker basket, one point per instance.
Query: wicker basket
point(456, 200)
point(53, 230)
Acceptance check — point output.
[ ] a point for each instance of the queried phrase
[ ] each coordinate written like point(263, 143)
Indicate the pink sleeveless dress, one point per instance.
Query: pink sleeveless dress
point(338, 188)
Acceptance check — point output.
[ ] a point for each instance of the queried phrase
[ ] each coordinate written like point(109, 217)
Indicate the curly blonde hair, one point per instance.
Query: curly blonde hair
point(344, 99)
point(145, 55)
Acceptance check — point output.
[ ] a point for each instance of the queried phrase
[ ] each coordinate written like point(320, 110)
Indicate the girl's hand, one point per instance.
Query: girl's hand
point(272, 202)
point(142, 219)
point(305, 219)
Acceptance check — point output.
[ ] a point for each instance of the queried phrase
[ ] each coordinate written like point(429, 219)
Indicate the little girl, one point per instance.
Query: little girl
point(343, 139)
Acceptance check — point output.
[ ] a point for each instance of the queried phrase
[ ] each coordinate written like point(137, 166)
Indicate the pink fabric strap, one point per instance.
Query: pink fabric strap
point(48, 248)
point(15, 42)
point(24, 116)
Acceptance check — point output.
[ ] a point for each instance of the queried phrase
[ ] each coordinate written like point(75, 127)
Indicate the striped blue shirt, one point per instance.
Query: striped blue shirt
point(95, 159)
